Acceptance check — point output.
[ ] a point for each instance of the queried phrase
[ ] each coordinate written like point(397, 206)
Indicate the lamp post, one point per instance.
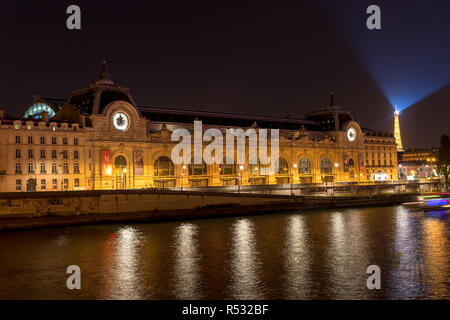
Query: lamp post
point(241, 167)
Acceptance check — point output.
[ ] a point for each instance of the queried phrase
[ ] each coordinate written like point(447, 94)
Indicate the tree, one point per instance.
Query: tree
point(443, 159)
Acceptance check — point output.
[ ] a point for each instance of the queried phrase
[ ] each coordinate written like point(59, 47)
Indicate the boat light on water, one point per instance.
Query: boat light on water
point(431, 202)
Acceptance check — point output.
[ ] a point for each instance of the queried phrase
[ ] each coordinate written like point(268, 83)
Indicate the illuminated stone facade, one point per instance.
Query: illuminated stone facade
point(100, 139)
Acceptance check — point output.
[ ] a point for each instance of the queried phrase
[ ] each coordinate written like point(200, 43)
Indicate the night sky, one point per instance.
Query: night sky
point(259, 59)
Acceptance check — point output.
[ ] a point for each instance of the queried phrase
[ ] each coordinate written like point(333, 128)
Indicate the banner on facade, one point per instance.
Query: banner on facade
point(361, 164)
point(106, 162)
point(139, 163)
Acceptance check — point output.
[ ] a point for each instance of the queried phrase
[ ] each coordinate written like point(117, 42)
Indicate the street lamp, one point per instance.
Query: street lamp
point(292, 181)
point(241, 168)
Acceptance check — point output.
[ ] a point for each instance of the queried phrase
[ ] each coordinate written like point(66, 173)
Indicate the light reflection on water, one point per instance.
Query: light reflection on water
point(297, 259)
point(244, 266)
point(124, 280)
point(186, 280)
point(310, 255)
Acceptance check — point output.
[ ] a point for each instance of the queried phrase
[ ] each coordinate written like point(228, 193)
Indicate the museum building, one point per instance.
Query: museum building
point(99, 138)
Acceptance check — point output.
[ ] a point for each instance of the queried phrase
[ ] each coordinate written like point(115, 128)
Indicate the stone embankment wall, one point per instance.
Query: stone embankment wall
point(46, 209)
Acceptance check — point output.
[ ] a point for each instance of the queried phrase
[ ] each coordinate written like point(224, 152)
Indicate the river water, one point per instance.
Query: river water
point(302, 255)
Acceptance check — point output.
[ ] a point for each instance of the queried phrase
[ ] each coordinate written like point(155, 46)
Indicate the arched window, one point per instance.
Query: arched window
point(351, 163)
point(326, 166)
point(164, 167)
point(120, 162)
point(304, 167)
point(197, 169)
point(227, 169)
point(283, 167)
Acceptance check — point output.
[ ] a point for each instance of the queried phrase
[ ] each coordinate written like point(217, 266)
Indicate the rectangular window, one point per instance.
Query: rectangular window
point(30, 167)
point(43, 154)
point(18, 185)
point(77, 182)
point(43, 169)
point(43, 184)
point(75, 154)
point(75, 141)
point(17, 139)
point(30, 139)
point(89, 153)
point(53, 140)
point(17, 153)
point(54, 154)
point(55, 184)
point(42, 140)
point(18, 168)
point(75, 168)
point(64, 140)
point(66, 184)
point(54, 168)
point(30, 153)
point(65, 154)
point(65, 168)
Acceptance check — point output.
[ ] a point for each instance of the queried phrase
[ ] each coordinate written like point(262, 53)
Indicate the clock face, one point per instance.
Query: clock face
point(121, 121)
point(351, 134)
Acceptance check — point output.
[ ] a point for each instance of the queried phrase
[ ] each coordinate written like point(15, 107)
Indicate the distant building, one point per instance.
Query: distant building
point(416, 164)
point(99, 138)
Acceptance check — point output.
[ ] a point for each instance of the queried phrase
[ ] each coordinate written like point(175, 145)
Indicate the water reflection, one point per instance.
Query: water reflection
point(186, 262)
point(245, 281)
point(437, 260)
point(298, 260)
point(308, 255)
point(125, 282)
point(406, 279)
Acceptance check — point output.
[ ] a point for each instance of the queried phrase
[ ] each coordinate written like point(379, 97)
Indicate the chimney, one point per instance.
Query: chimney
point(44, 116)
